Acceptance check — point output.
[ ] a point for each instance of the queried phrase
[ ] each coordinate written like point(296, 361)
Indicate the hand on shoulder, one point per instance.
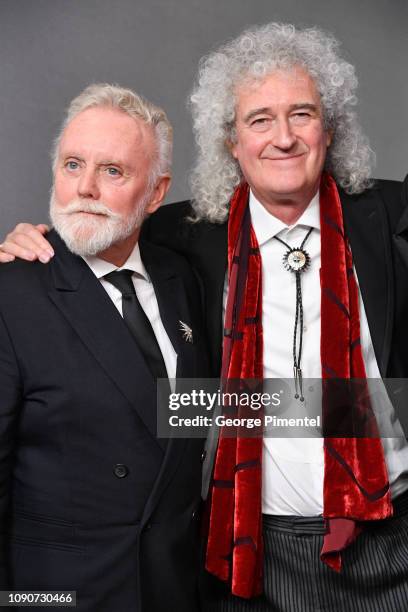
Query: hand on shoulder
point(26, 241)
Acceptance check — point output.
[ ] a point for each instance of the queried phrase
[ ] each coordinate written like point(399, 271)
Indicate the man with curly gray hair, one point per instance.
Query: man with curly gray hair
point(251, 57)
point(284, 172)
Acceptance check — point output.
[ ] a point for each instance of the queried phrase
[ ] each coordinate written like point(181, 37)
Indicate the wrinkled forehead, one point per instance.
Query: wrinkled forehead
point(289, 78)
point(107, 131)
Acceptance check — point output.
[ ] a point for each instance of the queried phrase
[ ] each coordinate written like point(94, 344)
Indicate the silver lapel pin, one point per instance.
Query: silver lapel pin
point(186, 331)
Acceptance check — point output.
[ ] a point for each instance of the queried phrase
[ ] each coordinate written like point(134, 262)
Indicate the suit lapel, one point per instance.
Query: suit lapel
point(208, 245)
point(367, 228)
point(173, 307)
point(88, 309)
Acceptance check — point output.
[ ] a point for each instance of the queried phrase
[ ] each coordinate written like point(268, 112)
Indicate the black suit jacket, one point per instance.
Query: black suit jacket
point(90, 499)
point(376, 222)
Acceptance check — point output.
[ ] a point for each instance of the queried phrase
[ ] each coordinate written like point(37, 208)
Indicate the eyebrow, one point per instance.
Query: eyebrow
point(64, 155)
point(267, 110)
point(110, 162)
point(107, 162)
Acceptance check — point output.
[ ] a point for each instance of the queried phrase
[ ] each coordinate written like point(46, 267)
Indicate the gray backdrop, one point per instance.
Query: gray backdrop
point(51, 49)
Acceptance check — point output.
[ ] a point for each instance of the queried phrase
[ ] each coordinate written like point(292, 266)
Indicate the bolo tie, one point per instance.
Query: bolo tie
point(296, 260)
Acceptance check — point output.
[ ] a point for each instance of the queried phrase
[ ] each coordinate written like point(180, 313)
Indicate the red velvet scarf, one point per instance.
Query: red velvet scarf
point(355, 484)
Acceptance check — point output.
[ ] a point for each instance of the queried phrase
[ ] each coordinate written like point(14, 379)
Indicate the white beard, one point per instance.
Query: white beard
point(93, 233)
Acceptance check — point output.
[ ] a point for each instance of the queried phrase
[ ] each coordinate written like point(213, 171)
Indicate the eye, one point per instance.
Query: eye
point(301, 116)
point(260, 121)
point(260, 124)
point(112, 171)
point(71, 165)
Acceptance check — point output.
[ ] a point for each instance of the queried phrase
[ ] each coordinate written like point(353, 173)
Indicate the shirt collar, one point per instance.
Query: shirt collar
point(100, 267)
point(266, 225)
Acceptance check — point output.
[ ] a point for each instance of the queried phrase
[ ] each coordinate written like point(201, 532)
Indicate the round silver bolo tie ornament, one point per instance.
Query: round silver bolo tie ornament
point(296, 260)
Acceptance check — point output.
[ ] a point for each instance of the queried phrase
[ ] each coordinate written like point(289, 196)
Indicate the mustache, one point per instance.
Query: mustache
point(88, 206)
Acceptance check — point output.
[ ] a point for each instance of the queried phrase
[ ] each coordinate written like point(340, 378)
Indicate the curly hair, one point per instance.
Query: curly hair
point(255, 54)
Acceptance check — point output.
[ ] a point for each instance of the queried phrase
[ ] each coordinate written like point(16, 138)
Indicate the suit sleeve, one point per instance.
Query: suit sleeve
point(10, 399)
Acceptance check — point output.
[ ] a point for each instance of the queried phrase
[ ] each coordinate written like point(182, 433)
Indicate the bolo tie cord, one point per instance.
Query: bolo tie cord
point(297, 260)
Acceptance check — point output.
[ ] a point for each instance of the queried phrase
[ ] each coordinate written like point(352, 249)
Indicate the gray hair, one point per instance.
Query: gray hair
point(127, 101)
point(256, 53)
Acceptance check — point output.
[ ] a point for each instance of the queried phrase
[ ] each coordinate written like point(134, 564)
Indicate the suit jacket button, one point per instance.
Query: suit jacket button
point(120, 470)
point(203, 456)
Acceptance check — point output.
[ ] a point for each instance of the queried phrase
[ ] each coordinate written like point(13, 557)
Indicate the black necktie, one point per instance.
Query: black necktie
point(137, 321)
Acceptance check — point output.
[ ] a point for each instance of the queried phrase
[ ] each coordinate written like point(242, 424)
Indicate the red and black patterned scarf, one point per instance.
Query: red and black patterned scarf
point(355, 487)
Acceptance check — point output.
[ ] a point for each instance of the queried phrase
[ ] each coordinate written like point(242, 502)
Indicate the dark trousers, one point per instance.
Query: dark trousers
point(374, 577)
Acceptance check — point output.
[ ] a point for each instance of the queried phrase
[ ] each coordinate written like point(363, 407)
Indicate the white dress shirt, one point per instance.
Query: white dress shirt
point(146, 296)
point(293, 468)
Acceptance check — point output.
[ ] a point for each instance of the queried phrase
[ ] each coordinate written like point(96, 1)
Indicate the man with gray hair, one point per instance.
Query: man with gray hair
point(284, 172)
point(91, 500)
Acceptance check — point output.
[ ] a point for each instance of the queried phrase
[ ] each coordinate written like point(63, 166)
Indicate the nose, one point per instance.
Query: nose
point(283, 136)
point(88, 184)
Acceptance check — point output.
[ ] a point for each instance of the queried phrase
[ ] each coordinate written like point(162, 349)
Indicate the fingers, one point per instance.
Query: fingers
point(5, 257)
point(43, 228)
point(26, 242)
